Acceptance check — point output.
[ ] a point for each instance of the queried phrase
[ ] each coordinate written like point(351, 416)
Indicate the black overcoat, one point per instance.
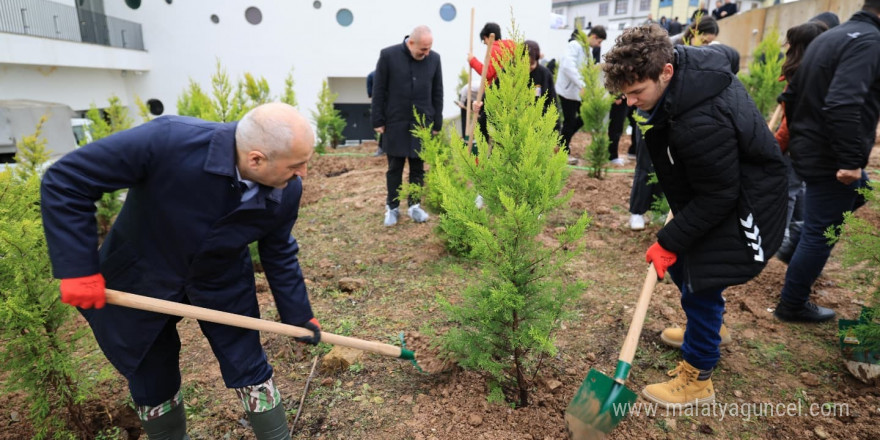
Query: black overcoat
point(400, 84)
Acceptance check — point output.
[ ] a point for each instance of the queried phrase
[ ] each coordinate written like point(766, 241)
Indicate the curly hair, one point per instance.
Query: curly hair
point(639, 54)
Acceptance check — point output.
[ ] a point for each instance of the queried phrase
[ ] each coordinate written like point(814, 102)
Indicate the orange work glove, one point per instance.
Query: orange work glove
point(315, 327)
point(85, 292)
point(661, 258)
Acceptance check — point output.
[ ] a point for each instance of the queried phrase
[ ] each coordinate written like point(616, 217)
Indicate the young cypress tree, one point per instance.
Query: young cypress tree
point(36, 355)
point(504, 323)
point(328, 122)
point(595, 106)
point(762, 77)
point(289, 96)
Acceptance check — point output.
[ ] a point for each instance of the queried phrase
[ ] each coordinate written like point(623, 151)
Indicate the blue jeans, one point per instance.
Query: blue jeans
point(704, 311)
point(824, 204)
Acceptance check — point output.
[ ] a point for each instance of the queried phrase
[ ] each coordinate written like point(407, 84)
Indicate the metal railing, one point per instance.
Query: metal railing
point(41, 18)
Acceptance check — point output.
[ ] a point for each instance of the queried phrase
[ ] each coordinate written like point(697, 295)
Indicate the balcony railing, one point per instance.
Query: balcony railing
point(47, 19)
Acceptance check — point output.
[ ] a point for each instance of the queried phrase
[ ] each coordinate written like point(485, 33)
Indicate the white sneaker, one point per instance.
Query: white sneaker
point(637, 222)
point(417, 213)
point(391, 216)
point(479, 202)
point(619, 161)
point(572, 160)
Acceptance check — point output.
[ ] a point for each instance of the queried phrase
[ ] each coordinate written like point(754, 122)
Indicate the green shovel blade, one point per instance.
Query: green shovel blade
point(598, 406)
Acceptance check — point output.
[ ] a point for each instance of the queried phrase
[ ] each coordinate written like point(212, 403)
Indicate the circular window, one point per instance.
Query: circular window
point(215, 19)
point(316, 4)
point(168, 1)
point(447, 12)
point(133, 4)
point(253, 15)
point(156, 107)
point(344, 17)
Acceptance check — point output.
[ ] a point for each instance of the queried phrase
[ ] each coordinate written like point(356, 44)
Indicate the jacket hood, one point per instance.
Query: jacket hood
point(701, 73)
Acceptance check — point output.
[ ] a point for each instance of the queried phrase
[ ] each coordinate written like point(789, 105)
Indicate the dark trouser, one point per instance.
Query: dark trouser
point(642, 194)
point(704, 311)
point(464, 123)
point(824, 204)
point(795, 197)
point(617, 118)
point(571, 120)
point(394, 177)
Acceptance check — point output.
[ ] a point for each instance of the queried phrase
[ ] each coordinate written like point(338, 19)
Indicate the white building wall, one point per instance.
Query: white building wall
point(181, 42)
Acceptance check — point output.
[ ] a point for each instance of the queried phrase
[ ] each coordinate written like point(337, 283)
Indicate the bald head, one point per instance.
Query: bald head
point(419, 42)
point(274, 142)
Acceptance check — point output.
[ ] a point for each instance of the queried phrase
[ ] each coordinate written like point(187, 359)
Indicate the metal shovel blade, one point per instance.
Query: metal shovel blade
point(597, 407)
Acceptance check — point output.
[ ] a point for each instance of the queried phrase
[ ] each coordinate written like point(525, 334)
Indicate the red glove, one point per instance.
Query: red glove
point(85, 292)
point(315, 327)
point(661, 258)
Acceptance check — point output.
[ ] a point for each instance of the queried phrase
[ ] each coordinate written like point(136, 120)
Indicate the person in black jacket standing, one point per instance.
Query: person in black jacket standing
point(832, 104)
point(723, 176)
point(407, 75)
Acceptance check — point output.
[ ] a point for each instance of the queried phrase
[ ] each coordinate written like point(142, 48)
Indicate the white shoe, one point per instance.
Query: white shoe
point(479, 202)
point(619, 161)
point(391, 216)
point(637, 222)
point(572, 160)
point(417, 213)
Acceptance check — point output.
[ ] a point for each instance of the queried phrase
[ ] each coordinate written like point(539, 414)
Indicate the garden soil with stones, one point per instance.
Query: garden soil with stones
point(399, 273)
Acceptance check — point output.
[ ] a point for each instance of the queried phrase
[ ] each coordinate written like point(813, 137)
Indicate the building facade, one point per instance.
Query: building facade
point(79, 52)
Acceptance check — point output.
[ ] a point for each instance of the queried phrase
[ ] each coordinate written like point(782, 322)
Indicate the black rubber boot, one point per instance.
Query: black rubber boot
point(270, 425)
point(169, 426)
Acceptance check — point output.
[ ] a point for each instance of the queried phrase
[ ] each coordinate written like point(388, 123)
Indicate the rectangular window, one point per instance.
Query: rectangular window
point(579, 22)
point(644, 5)
point(665, 3)
point(621, 26)
point(603, 9)
point(620, 6)
point(694, 3)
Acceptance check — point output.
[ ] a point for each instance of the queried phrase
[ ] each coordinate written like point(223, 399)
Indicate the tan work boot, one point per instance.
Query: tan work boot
point(684, 390)
point(674, 336)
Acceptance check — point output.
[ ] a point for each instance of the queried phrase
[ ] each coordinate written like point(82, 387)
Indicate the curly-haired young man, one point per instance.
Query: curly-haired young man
point(723, 176)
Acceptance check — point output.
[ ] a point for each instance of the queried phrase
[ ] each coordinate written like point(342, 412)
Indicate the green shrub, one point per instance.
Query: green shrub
point(289, 95)
point(595, 106)
point(329, 124)
point(35, 353)
point(114, 119)
point(504, 323)
point(860, 243)
point(762, 77)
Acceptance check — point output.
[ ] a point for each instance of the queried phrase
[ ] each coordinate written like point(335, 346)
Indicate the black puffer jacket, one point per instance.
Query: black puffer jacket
point(721, 170)
point(833, 102)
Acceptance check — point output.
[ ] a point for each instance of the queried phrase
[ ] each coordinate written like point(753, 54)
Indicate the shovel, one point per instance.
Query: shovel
point(140, 302)
point(602, 402)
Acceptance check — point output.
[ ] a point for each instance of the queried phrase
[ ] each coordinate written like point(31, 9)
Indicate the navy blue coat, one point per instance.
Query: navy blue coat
point(182, 234)
point(400, 84)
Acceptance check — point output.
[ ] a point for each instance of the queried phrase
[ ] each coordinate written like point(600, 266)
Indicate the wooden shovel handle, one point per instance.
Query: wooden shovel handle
point(628, 352)
point(469, 128)
point(774, 119)
point(141, 302)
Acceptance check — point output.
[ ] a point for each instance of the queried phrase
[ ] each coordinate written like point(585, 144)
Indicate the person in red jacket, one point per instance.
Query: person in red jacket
point(501, 51)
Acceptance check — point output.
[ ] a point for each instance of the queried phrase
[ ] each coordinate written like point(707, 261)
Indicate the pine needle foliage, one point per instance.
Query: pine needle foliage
point(289, 95)
point(595, 106)
point(143, 109)
point(36, 355)
point(257, 89)
point(195, 102)
point(505, 321)
point(860, 243)
point(328, 121)
point(225, 106)
point(762, 77)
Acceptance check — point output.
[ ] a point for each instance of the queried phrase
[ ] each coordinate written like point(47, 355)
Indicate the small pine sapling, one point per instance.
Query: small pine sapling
point(761, 79)
point(256, 89)
point(114, 120)
point(595, 106)
point(289, 95)
point(36, 355)
point(328, 121)
point(143, 109)
point(504, 323)
point(196, 103)
point(860, 243)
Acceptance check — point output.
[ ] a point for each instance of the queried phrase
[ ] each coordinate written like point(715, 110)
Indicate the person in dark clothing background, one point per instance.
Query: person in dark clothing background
point(569, 82)
point(542, 78)
point(408, 76)
point(832, 105)
point(723, 177)
point(370, 76)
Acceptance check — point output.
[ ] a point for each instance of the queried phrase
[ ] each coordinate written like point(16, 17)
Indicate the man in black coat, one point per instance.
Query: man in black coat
point(723, 176)
point(832, 104)
point(408, 76)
